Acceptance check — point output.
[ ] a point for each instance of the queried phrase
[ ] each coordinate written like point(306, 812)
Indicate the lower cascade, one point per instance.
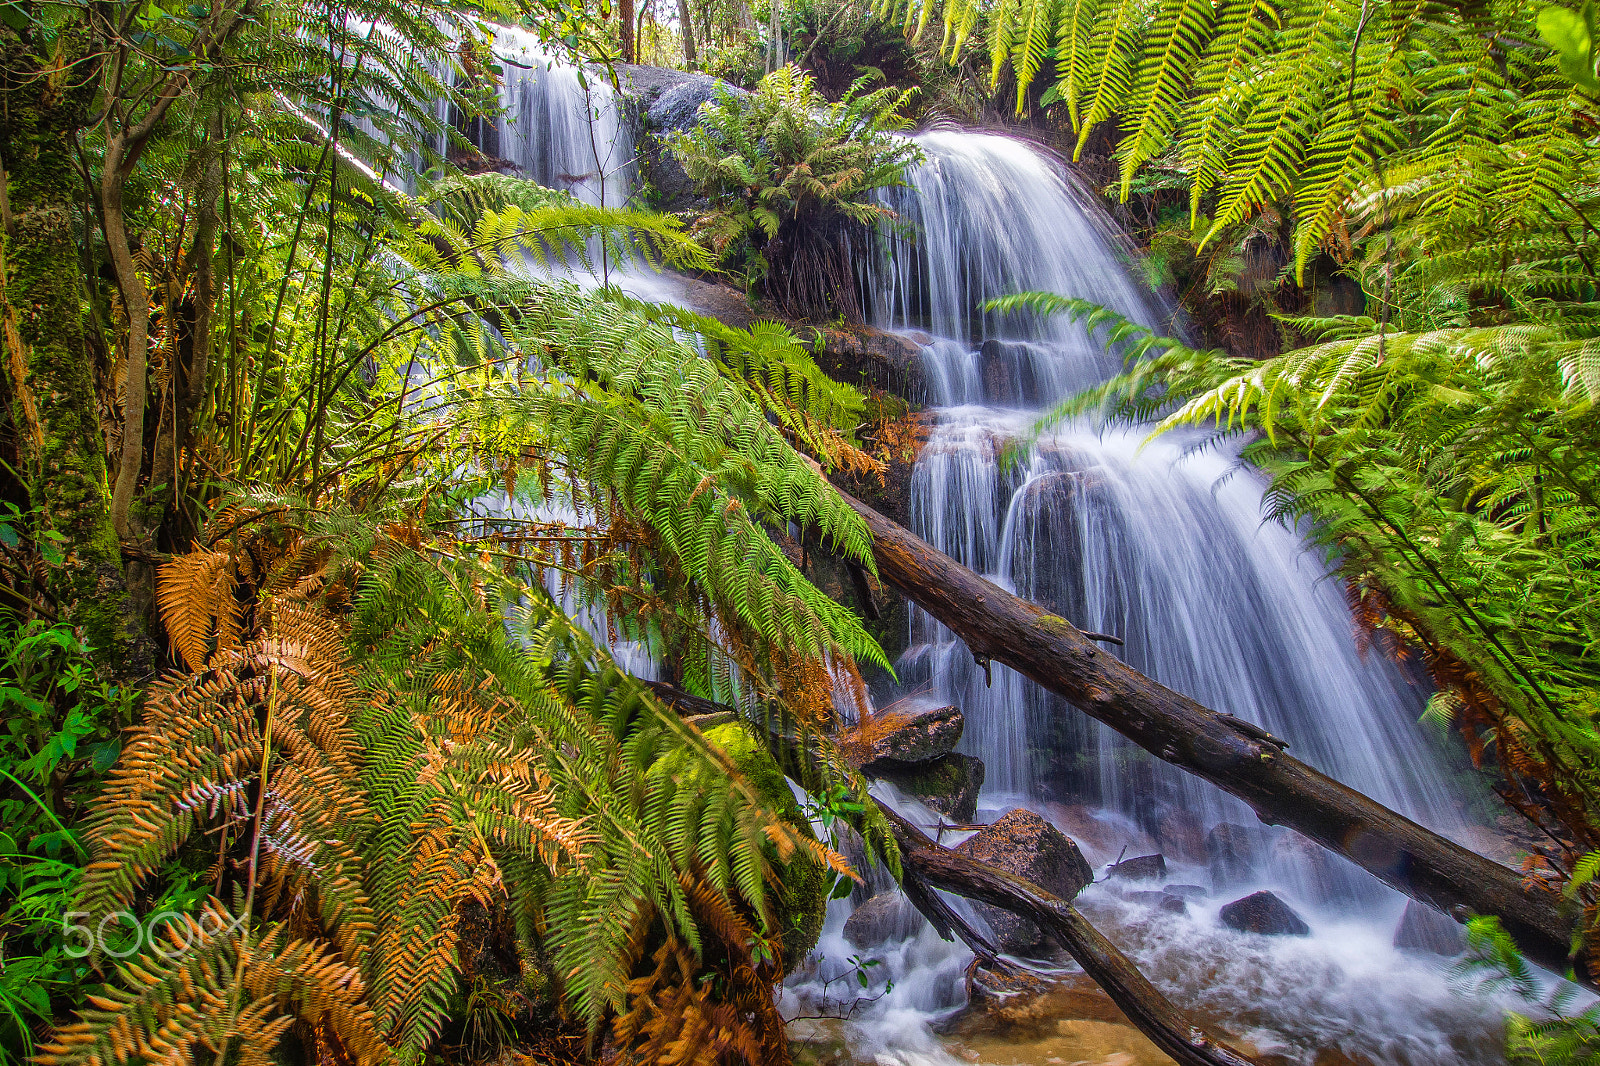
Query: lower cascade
point(1162, 545)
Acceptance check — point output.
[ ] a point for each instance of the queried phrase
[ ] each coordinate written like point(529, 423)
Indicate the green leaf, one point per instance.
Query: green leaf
point(1571, 35)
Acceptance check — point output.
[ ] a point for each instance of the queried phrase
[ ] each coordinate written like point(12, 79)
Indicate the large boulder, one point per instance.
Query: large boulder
point(1423, 929)
point(866, 356)
point(1263, 912)
point(802, 895)
point(659, 102)
point(1024, 844)
point(948, 784)
point(1233, 853)
point(909, 735)
point(883, 919)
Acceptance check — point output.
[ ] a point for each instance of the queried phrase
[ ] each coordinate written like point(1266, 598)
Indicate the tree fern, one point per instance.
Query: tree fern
point(434, 762)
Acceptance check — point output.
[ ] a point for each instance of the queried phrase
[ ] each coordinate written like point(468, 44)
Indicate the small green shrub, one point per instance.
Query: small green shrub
point(59, 735)
point(791, 178)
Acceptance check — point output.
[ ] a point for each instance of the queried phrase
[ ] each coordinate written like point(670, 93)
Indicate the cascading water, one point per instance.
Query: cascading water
point(1164, 549)
point(1167, 549)
point(1168, 552)
point(560, 125)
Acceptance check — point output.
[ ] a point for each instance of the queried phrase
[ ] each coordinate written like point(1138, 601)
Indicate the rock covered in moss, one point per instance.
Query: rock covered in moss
point(801, 902)
point(948, 784)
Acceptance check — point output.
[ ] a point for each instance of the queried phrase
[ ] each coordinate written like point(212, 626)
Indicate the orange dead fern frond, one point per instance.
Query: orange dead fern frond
point(674, 1021)
point(196, 595)
point(180, 1000)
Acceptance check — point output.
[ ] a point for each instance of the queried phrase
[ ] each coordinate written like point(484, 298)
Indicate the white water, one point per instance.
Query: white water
point(560, 125)
point(1169, 551)
point(1166, 550)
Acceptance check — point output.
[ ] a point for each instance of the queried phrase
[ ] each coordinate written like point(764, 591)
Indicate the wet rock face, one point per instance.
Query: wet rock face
point(1423, 929)
point(865, 355)
point(661, 102)
point(1006, 370)
point(1186, 892)
point(1024, 844)
point(1181, 835)
point(883, 919)
point(1264, 913)
point(1320, 878)
point(1140, 868)
point(948, 784)
point(1161, 900)
point(914, 735)
point(1232, 853)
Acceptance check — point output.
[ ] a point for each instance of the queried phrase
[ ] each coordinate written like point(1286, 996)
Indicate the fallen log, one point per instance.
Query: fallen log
point(1235, 756)
point(926, 865)
point(1155, 1016)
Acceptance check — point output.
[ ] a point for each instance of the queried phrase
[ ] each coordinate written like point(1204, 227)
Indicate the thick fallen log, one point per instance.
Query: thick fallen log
point(1168, 1028)
point(1236, 756)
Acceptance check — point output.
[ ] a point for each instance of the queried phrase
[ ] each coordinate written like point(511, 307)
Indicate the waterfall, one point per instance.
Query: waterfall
point(1164, 549)
point(1164, 545)
point(561, 125)
point(986, 216)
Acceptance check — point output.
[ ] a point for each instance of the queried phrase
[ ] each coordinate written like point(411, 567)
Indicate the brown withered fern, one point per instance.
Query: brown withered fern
point(707, 1008)
point(358, 748)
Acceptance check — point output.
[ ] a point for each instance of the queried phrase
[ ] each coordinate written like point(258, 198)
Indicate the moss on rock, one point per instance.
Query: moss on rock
point(802, 900)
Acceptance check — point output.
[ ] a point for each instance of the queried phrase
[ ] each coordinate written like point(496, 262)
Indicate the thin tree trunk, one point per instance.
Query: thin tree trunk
point(1235, 756)
point(686, 26)
point(192, 365)
point(775, 37)
point(126, 140)
point(630, 50)
point(136, 310)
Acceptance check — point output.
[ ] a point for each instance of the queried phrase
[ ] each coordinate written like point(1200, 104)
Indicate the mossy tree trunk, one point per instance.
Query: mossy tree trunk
point(44, 98)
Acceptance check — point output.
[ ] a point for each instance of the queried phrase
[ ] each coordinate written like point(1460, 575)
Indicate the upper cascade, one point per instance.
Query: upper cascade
point(987, 216)
point(560, 125)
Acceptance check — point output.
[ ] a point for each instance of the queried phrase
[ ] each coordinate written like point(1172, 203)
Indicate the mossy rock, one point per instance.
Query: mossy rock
point(802, 901)
point(949, 784)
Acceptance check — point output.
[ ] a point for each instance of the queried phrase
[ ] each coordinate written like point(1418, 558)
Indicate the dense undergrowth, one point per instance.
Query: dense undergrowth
point(316, 481)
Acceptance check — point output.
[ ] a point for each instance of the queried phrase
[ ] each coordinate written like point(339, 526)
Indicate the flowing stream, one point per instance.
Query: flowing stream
point(1160, 544)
